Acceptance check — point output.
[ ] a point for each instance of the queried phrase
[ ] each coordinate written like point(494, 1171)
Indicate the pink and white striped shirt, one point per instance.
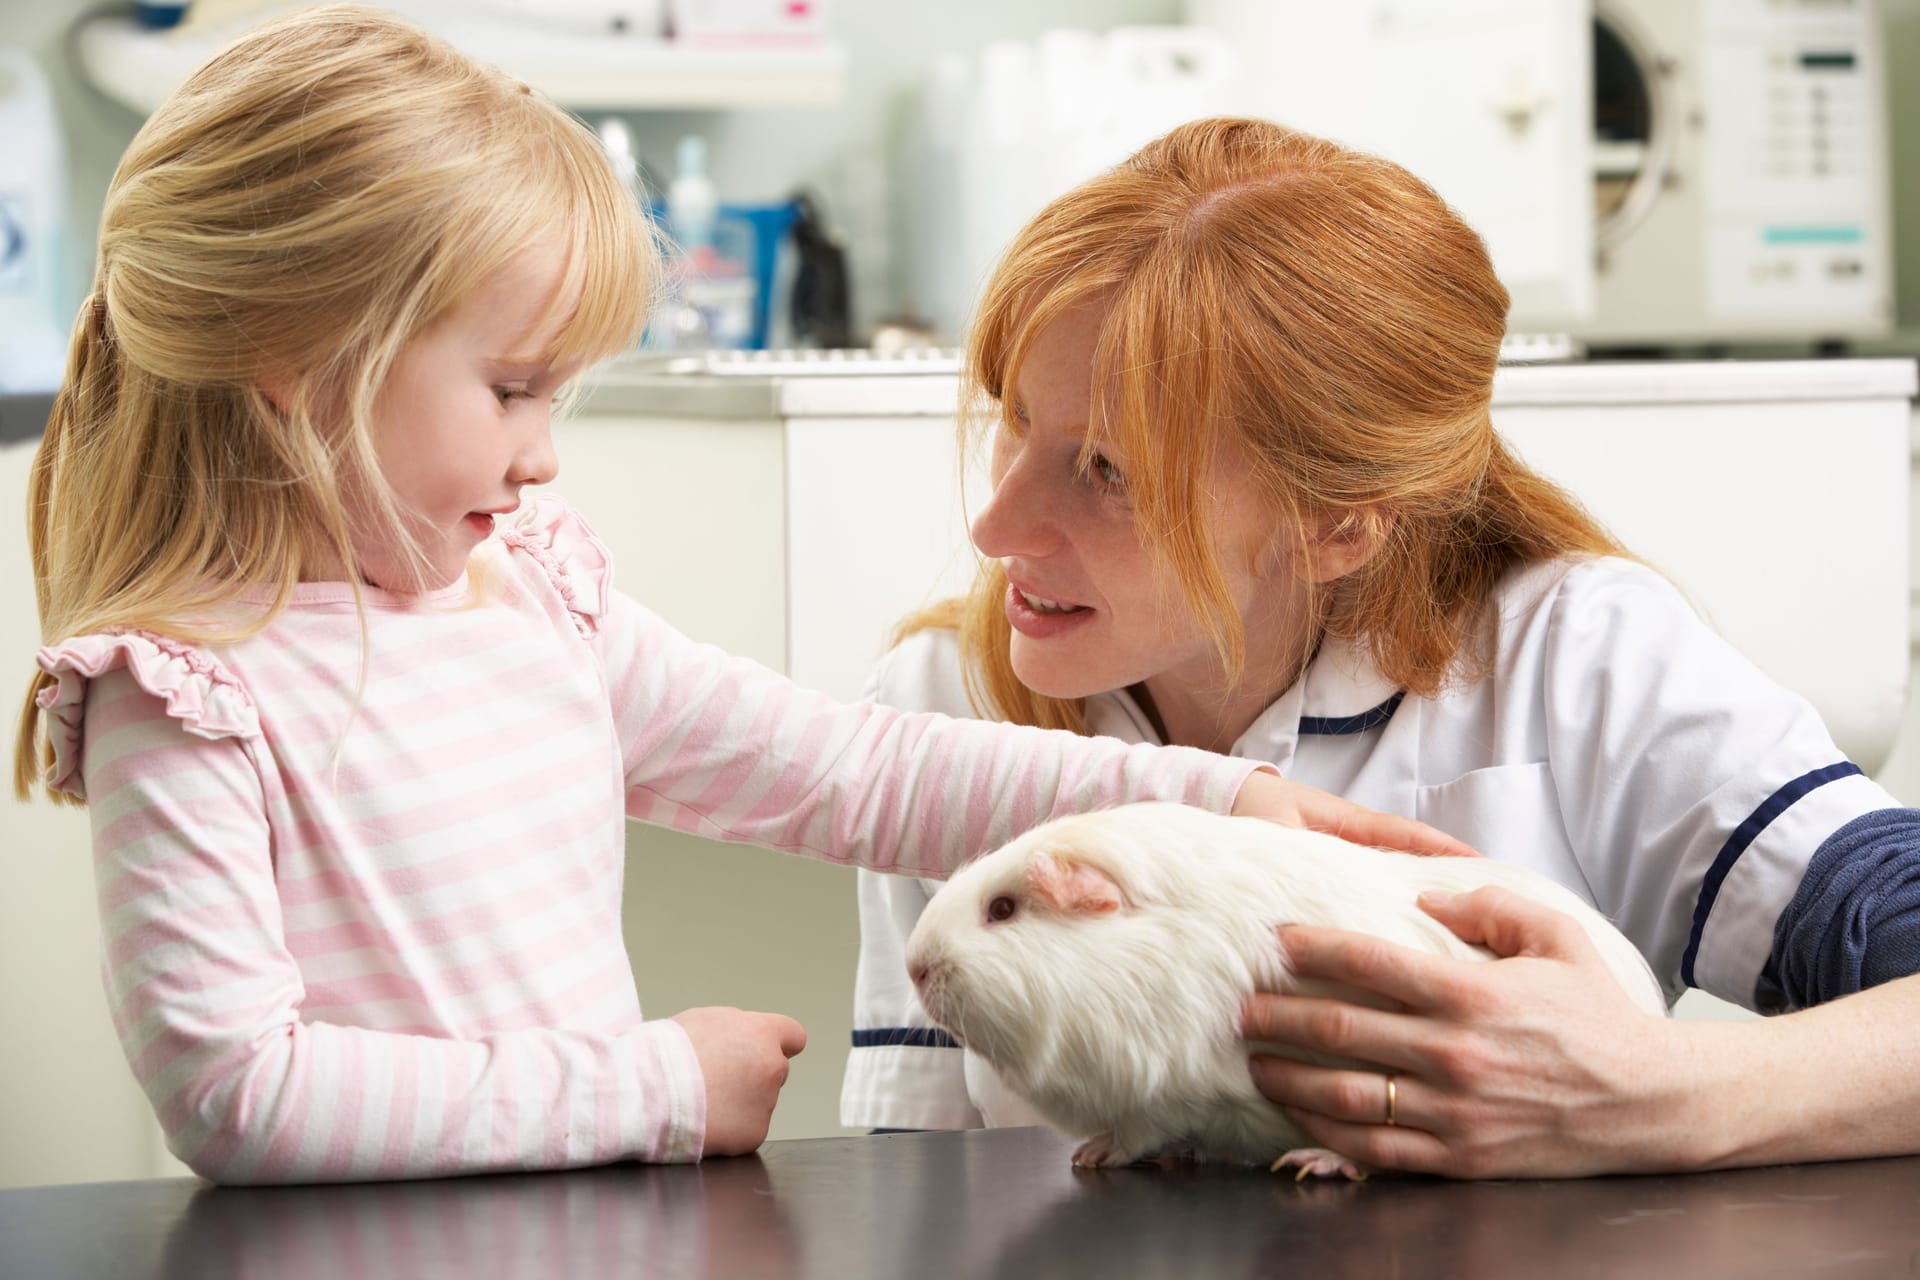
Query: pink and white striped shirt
point(373, 930)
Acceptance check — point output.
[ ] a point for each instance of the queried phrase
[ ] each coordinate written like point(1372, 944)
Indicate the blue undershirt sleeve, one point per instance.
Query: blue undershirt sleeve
point(1855, 920)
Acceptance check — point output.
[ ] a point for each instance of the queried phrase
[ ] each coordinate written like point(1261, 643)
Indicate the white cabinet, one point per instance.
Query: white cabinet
point(794, 519)
point(1774, 493)
point(792, 522)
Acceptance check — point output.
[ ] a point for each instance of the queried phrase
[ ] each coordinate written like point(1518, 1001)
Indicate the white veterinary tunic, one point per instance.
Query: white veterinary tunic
point(1617, 745)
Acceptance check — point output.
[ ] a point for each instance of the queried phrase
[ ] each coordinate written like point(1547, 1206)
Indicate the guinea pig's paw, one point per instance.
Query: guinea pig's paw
point(1101, 1151)
point(1318, 1162)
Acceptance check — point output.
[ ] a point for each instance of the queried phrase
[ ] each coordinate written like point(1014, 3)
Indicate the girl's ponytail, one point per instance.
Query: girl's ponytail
point(85, 396)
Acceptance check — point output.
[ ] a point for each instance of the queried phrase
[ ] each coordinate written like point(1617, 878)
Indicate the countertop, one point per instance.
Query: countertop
point(761, 385)
point(998, 1203)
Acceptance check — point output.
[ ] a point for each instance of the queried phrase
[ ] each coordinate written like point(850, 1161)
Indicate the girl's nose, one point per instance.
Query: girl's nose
point(537, 462)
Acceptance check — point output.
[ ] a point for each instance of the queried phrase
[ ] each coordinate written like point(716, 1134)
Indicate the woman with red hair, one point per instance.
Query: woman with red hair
point(1248, 496)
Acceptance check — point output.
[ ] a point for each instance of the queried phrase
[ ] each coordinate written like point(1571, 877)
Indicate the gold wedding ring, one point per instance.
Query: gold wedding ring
point(1393, 1097)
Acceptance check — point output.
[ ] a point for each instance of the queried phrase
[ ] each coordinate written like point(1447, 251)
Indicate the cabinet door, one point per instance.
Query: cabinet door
point(1801, 565)
point(1491, 101)
point(876, 528)
point(693, 510)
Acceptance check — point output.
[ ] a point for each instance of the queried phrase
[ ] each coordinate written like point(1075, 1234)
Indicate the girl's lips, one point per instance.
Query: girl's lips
point(480, 522)
point(1038, 625)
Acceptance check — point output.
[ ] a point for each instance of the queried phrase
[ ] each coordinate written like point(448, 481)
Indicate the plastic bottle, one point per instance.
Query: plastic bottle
point(693, 203)
point(617, 141)
point(33, 182)
point(716, 296)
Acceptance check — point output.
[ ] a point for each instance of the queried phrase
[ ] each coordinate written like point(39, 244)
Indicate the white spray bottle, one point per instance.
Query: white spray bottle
point(716, 296)
point(692, 201)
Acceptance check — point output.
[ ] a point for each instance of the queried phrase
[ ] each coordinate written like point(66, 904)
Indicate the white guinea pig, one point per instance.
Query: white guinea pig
point(1100, 962)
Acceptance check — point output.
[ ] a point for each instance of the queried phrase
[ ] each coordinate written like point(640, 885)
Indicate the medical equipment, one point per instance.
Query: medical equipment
point(1646, 172)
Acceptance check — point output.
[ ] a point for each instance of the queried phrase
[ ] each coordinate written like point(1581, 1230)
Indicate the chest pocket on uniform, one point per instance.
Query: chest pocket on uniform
point(1510, 813)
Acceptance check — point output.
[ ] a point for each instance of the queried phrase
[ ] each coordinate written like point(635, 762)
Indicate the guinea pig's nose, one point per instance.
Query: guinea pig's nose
point(917, 971)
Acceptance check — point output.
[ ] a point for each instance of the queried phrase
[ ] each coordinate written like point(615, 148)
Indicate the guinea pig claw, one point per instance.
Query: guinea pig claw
point(1100, 1152)
point(1318, 1162)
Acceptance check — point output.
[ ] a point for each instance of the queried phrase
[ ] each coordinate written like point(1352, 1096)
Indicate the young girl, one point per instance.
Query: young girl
point(357, 727)
point(1248, 497)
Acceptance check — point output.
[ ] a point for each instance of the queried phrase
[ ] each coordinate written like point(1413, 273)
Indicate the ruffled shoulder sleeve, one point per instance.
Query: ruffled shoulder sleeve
point(569, 553)
point(207, 699)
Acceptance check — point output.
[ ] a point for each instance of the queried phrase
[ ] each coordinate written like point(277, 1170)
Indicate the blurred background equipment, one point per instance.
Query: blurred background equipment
point(1647, 172)
point(1001, 133)
point(821, 307)
point(33, 185)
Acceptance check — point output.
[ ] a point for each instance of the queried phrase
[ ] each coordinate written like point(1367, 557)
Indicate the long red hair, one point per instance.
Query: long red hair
point(1327, 315)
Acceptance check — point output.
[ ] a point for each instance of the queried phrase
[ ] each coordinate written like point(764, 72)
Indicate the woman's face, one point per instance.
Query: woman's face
point(1091, 609)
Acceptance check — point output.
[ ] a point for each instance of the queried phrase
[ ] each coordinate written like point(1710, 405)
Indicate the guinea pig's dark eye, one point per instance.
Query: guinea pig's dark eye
point(1001, 908)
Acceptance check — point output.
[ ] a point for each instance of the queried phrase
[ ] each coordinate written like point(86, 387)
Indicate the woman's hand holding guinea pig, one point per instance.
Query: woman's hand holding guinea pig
point(1534, 1065)
point(1294, 804)
point(743, 1056)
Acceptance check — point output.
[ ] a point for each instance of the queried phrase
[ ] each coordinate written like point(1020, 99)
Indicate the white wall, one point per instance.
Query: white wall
point(1901, 773)
point(69, 1110)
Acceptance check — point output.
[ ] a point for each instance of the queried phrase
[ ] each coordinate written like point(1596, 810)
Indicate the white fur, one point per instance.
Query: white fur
point(1120, 1025)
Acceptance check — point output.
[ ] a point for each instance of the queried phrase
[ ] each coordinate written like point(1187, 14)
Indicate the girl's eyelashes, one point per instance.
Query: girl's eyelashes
point(543, 386)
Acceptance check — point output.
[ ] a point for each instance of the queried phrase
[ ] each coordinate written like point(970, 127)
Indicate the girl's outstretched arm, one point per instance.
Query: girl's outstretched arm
point(724, 747)
point(1268, 795)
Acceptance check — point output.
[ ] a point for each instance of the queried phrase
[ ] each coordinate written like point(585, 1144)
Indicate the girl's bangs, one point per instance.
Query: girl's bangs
point(611, 261)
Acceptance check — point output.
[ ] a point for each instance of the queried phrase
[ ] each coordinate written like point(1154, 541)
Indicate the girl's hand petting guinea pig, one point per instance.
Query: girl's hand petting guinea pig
point(1294, 804)
point(743, 1056)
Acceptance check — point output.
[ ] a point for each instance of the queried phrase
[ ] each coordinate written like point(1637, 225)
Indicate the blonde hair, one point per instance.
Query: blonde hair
point(304, 204)
point(1323, 315)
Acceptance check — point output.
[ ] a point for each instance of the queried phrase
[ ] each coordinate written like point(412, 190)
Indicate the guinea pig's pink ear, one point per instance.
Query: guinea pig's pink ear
point(1072, 887)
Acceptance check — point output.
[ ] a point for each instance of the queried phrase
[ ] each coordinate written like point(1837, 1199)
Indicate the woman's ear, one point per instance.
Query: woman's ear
point(1339, 545)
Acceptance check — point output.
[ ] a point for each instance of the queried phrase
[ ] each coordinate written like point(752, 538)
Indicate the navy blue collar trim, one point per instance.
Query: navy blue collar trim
point(1353, 724)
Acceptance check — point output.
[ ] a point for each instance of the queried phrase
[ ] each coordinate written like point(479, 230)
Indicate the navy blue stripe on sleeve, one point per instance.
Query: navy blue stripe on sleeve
point(1743, 835)
point(923, 1037)
point(1855, 920)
